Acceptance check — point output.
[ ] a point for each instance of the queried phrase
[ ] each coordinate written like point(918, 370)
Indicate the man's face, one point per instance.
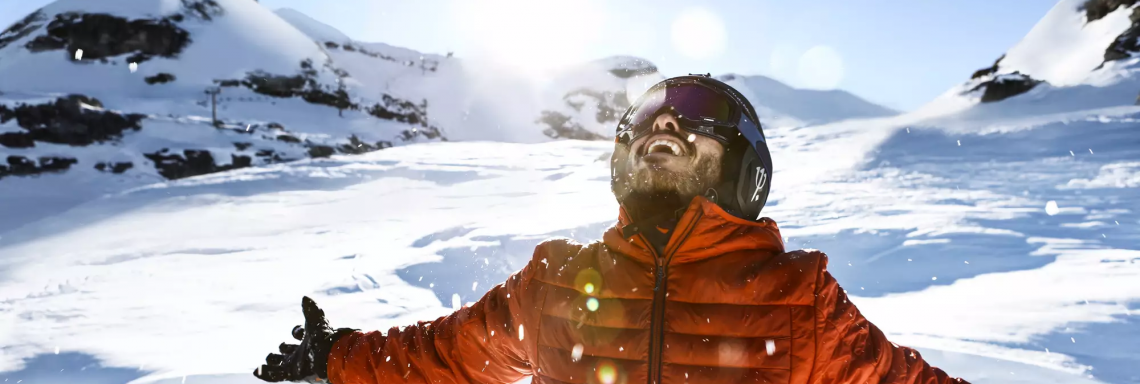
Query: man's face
point(669, 159)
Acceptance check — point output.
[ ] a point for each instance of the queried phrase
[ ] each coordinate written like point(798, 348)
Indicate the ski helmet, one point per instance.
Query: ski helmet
point(708, 107)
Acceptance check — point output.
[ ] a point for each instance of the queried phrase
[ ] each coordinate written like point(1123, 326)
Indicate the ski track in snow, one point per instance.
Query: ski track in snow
point(152, 278)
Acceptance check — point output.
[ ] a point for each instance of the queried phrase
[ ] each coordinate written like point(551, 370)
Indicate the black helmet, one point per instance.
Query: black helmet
point(708, 107)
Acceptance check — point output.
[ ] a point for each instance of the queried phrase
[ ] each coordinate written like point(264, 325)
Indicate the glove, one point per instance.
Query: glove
point(307, 361)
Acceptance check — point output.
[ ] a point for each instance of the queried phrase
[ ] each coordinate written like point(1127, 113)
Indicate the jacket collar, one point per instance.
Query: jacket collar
point(705, 230)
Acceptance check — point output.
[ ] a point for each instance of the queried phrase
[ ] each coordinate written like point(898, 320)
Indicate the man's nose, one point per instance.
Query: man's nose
point(666, 122)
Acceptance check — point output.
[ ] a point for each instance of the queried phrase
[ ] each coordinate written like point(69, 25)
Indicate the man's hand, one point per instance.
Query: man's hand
point(307, 361)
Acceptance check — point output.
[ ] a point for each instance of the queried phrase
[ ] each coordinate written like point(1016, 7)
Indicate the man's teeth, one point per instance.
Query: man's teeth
point(673, 147)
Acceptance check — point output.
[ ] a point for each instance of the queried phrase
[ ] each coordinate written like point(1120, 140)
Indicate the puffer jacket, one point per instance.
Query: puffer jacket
point(724, 304)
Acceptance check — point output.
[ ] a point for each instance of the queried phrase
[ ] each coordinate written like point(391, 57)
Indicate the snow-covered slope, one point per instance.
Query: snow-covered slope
point(1079, 56)
point(777, 101)
point(950, 248)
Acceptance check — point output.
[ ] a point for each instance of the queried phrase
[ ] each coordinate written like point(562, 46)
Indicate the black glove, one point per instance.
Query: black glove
point(307, 361)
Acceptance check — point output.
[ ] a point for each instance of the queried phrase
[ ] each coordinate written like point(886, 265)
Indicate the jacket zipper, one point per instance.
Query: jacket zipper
point(660, 289)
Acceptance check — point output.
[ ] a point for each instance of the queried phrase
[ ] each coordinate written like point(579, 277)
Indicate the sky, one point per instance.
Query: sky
point(900, 54)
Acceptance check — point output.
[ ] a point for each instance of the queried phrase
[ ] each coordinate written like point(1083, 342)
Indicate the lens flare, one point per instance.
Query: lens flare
point(589, 288)
point(592, 304)
point(607, 372)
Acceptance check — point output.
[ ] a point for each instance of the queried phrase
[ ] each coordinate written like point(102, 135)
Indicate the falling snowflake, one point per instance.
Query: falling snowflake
point(934, 278)
point(78, 54)
point(1051, 208)
point(133, 67)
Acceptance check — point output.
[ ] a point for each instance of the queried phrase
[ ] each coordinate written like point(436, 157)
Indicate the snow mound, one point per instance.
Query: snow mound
point(316, 30)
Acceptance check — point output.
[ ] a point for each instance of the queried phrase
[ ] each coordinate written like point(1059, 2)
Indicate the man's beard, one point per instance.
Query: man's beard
point(652, 191)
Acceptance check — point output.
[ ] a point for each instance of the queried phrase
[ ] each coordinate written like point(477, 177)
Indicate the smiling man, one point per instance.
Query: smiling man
point(691, 286)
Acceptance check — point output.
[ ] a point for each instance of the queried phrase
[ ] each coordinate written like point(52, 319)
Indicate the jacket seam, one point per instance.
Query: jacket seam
point(815, 320)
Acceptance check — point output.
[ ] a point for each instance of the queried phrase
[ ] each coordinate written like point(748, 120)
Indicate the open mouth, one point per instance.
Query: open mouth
point(664, 145)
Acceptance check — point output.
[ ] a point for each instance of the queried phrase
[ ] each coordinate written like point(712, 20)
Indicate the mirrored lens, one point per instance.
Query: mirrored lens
point(688, 101)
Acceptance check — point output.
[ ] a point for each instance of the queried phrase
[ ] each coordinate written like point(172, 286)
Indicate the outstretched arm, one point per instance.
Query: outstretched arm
point(852, 350)
point(483, 343)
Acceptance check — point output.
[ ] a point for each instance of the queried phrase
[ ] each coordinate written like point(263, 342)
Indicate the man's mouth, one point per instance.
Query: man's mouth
point(664, 145)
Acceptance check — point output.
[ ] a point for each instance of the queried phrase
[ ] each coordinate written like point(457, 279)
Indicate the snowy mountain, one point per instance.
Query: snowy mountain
point(781, 104)
point(995, 229)
point(288, 87)
point(1080, 56)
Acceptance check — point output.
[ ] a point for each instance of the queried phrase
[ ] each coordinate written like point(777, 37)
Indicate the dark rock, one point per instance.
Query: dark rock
point(192, 162)
point(349, 47)
point(70, 121)
point(55, 164)
point(304, 85)
point(242, 146)
point(1098, 9)
point(161, 78)
point(276, 126)
point(288, 139)
point(987, 71)
point(356, 146)
point(23, 166)
point(17, 140)
point(203, 9)
point(6, 114)
point(396, 109)
point(228, 83)
point(22, 28)
point(331, 45)
point(609, 105)
point(560, 126)
point(102, 36)
point(116, 168)
point(319, 151)
point(1005, 86)
point(626, 73)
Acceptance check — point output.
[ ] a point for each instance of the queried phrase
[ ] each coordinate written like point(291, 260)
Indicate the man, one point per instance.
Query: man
point(691, 285)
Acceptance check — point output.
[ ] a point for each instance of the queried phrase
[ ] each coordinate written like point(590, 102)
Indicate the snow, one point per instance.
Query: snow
point(1010, 258)
point(1062, 49)
point(780, 104)
point(318, 31)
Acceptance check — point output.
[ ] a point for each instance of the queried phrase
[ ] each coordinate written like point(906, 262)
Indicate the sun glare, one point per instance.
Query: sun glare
point(698, 33)
point(530, 37)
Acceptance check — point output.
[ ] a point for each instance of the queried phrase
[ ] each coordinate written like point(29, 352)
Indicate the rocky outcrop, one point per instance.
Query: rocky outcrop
point(17, 140)
point(161, 78)
point(404, 111)
point(609, 105)
point(72, 120)
point(987, 71)
point(303, 85)
point(560, 126)
point(22, 28)
point(102, 36)
point(192, 162)
point(116, 168)
point(1098, 9)
point(23, 166)
point(1002, 87)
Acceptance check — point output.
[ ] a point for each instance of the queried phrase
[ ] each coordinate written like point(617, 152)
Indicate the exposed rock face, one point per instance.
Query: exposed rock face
point(72, 120)
point(355, 146)
point(303, 85)
point(23, 166)
point(1005, 86)
point(987, 71)
point(1098, 9)
point(22, 28)
point(560, 126)
point(102, 36)
point(404, 111)
point(192, 162)
point(609, 105)
point(115, 168)
point(161, 78)
point(17, 140)
point(75, 120)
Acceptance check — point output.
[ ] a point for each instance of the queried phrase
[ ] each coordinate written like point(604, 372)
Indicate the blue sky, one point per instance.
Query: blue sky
point(897, 53)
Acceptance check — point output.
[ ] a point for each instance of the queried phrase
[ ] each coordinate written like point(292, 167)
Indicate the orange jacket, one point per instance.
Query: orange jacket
point(724, 304)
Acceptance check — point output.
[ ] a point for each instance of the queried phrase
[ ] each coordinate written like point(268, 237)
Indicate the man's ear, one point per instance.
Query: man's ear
point(619, 172)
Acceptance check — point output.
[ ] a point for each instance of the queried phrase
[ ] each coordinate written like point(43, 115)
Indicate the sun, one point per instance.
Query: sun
point(529, 37)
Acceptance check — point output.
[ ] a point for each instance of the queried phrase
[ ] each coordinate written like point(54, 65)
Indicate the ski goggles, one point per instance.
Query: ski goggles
point(699, 108)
